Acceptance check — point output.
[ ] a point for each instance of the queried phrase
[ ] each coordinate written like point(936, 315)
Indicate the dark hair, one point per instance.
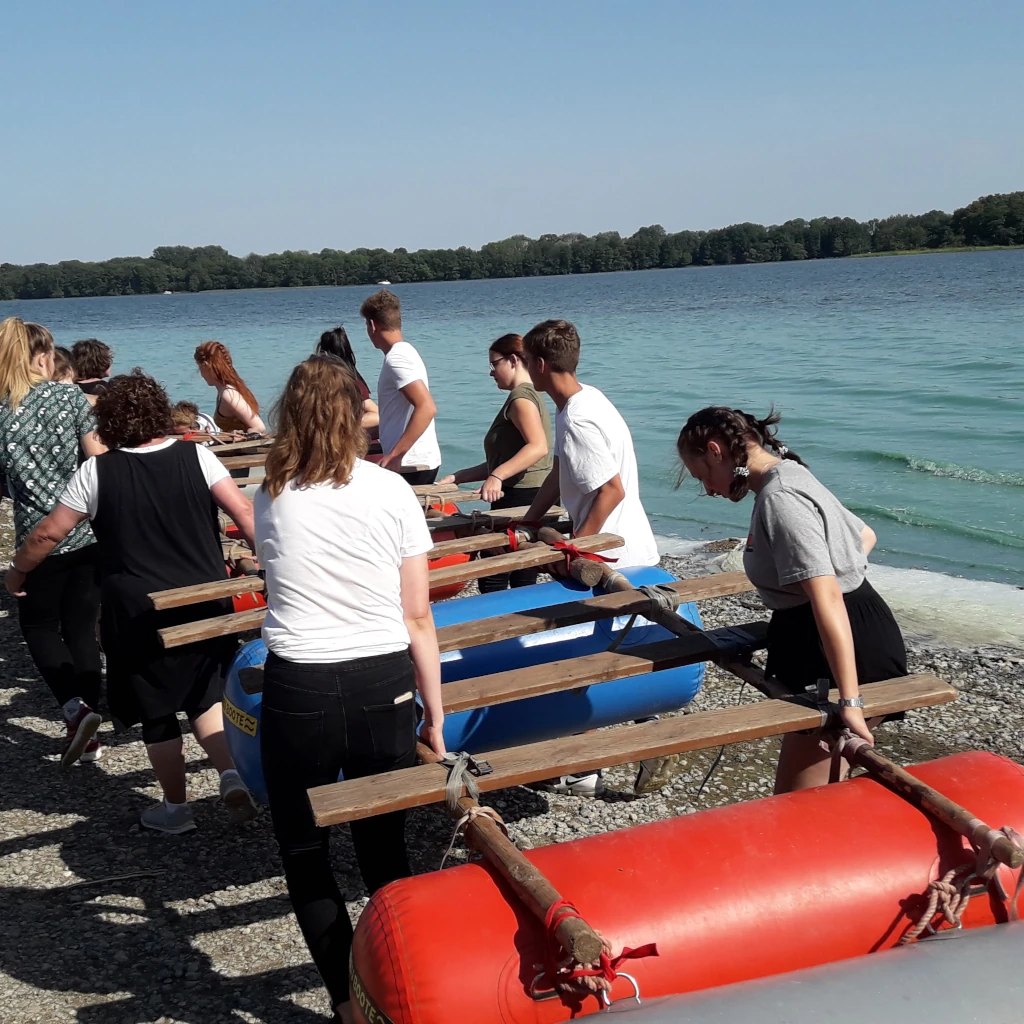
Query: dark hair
point(508, 345)
point(133, 410)
point(384, 309)
point(335, 343)
point(557, 342)
point(63, 362)
point(92, 358)
point(734, 429)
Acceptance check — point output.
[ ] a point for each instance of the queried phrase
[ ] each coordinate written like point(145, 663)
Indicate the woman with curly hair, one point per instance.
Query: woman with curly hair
point(153, 504)
point(236, 408)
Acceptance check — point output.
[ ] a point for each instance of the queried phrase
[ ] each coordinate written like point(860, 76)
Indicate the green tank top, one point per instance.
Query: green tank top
point(503, 440)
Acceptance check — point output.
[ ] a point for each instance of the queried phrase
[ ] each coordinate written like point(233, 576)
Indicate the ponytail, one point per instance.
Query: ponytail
point(20, 343)
point(734, 430)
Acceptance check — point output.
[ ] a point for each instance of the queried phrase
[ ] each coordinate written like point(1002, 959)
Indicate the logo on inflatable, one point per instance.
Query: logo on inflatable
point(239, 719)
point(366, 1006)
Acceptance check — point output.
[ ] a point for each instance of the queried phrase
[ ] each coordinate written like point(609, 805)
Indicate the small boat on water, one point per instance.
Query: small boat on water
point(384, 282)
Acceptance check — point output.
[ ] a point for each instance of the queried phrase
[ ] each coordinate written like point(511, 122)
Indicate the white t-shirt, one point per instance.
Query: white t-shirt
point(402, 366)
point(332, 557)
point(593, 444)
point(83, 490)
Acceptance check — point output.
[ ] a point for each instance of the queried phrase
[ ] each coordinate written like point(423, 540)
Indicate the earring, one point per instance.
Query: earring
point(741, 471)
point(782, 450)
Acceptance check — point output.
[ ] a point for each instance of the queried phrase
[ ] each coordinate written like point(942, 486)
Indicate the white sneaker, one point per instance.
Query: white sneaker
point(236, 797)
point(589, 784)
point(172, 821)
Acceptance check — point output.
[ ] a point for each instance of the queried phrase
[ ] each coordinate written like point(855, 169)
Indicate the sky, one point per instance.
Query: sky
point(271, 126)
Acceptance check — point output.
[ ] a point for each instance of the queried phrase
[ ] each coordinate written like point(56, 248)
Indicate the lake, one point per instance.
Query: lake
point(900, 380)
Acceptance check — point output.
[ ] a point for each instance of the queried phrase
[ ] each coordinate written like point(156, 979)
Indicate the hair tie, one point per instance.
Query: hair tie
point(741, 471)
point(782, 450)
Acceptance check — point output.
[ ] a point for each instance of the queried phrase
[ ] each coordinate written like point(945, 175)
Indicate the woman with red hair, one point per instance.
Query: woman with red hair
point(237, 408)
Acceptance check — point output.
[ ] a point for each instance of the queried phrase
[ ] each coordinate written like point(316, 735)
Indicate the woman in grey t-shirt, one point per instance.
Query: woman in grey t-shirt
point(807, 556)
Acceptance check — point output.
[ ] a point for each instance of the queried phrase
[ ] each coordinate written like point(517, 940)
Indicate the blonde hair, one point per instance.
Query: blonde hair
point(319, 430)
point(20, 343)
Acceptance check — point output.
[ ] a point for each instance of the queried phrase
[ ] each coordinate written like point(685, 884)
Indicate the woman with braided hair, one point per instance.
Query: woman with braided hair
point(807, 556)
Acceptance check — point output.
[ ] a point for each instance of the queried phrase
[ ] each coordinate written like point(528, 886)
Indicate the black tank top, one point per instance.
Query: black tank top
point(156, 522)
point(93, 387)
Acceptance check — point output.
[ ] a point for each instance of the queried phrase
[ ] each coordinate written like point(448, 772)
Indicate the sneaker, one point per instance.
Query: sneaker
point(652, 774)
point(589, 784)
point(171, 820)
point(82, 728)
point(93, 751)
point(236, 797)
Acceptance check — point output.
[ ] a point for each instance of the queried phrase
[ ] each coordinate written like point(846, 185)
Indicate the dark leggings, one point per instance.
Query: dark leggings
point(518, 577)
point(58, 616)
point(356, 717)
point(420, 477)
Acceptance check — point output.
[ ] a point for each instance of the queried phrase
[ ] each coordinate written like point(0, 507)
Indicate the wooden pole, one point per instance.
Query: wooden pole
point(526, 881)
point(932, 802)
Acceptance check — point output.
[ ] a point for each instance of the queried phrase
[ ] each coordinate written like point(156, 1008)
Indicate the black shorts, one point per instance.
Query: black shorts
point(796, 656)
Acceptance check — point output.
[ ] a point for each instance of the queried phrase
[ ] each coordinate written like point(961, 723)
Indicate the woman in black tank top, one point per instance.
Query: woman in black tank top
point(153, 504)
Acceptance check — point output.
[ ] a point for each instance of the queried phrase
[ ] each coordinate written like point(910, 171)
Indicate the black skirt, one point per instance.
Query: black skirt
point(796, 656)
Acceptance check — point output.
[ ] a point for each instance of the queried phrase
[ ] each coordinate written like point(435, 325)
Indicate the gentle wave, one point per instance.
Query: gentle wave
point(950, 469)
point(909, 517)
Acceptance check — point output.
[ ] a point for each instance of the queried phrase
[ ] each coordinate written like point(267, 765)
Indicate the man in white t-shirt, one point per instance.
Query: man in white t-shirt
point(594, 475)
point(407, 435)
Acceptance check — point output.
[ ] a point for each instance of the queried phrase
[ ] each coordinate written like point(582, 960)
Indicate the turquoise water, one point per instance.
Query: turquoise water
point(901, 381)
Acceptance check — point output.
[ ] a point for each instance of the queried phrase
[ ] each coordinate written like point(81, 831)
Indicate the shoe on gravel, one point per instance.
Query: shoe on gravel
point(172, 821)
point(93, 751)
point(82, 728)
point(653, 774)
point(236, 797)
point(589, 784)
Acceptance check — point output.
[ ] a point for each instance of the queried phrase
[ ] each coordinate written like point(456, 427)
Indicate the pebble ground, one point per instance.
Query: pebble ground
point(103, 923)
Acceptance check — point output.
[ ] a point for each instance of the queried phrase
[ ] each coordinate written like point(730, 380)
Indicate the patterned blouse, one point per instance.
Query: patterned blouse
point(40, 449)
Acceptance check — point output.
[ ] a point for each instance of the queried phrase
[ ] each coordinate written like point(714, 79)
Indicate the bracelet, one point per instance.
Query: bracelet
point(496, 477)
point(851, 702)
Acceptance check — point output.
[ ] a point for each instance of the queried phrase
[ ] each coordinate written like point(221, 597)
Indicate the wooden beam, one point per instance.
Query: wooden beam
point(492, 518)
point(467, 545)
point(244, 461)
point(206, 592)
point(205, 629)
point(527, 557)
point(590, 609)
point(603, 667)
point(240, 446)
point(513, 766)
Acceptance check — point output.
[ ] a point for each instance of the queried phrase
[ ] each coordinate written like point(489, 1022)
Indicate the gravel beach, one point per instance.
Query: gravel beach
point(103, 923)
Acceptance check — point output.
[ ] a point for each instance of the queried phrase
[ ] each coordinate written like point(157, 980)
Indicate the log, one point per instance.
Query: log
point(539, 620)
point(932, 802)
point(484, 835)
point(533, 762)
point(571, 673)
point(206, 592)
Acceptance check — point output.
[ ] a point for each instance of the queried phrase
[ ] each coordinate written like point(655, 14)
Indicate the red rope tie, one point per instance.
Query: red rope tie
point(513, 539)
point(572, 551)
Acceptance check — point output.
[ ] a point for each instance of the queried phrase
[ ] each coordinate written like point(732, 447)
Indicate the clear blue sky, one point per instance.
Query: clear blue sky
point(263, 127)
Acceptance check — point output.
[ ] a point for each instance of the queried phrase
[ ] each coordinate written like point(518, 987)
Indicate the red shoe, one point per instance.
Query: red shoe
point(80, 741)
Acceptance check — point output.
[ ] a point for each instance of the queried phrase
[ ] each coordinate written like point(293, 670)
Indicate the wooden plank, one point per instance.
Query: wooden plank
point(527, 557)
point(538, 620)
point(424, 489)
point(204, 629)
point(513, 766)
point(570, 673)
point(492, 518)
point(234, 447)
point(244, 461)
point(467, 545)
point(205, 592)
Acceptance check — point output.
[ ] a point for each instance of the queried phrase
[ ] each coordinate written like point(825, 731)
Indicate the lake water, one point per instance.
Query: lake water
point(900, 381)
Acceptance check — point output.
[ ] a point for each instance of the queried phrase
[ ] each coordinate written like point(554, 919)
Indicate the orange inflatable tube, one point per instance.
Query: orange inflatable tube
point(730, 894)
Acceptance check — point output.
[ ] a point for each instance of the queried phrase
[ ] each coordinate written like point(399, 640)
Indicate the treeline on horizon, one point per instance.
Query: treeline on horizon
point(991, 220)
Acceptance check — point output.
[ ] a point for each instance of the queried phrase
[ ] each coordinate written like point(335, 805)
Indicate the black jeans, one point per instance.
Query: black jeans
point(58, 617)
point(421, 476)
point(356, 717)
point(518, 577)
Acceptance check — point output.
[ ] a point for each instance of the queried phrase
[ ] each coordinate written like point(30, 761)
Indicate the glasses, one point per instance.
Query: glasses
point(494, 362)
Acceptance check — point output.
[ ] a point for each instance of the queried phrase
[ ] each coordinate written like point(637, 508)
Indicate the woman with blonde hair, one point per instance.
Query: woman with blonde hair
point(45, 427)
point(236, 408)
point(350, 639)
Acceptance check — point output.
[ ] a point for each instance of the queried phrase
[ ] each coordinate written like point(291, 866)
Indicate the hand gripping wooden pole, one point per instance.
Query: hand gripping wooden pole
point(577, 938)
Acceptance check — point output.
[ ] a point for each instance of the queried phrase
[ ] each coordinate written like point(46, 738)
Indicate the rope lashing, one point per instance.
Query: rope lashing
point(948, 895)
point(571, 551)
point(462, 768)
point(845, 743)
point(663, 599)
point(472, 814)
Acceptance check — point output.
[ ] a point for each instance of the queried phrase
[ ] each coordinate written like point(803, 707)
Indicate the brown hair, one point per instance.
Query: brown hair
point(508, 345)
point(132, 410)
point(319, 430)
point(733, 429)
point(20, 342)
point(216, 356)
point(557, 342)
point(63, 364)
point(185, 414)
point(92, 358)
point(384, 309)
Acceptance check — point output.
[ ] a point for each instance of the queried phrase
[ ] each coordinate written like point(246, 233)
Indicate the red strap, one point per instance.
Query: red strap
point(513, 540)
point(572, 551)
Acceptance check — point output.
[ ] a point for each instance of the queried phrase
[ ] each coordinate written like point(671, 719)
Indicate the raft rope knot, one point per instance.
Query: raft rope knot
point(571, 552)
point(663, 599)
point(846, 744)
point(560, 970)
point(462, 768)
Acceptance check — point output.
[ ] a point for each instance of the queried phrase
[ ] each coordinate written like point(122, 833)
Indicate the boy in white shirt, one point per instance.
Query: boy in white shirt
point(406, 431)
point(594, 475)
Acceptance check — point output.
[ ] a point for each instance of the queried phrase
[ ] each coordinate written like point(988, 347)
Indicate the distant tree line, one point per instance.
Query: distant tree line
point(990, 220)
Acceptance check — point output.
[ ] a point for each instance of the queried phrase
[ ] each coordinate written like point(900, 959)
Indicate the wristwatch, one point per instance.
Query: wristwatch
point(851, 702)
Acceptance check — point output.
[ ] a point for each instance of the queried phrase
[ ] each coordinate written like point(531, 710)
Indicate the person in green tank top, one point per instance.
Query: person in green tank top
point(517, 447)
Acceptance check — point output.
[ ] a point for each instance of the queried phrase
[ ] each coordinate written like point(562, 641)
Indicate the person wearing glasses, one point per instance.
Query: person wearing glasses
point(517, 448)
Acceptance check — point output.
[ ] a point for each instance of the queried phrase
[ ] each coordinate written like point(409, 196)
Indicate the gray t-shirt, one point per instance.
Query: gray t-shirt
point(799, 530)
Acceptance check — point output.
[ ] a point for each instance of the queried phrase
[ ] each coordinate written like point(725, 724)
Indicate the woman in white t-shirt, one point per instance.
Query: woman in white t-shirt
point(350, 637)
